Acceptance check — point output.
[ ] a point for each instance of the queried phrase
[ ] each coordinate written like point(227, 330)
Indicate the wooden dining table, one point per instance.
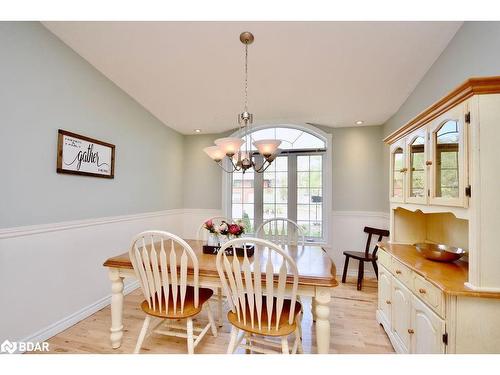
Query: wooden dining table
point(316, 279)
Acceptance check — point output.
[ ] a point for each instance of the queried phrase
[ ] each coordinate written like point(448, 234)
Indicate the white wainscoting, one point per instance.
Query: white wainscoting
point(52, 274)
point(346, 234)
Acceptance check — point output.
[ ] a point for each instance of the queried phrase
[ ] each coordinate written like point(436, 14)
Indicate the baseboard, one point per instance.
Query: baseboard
point(65, 323)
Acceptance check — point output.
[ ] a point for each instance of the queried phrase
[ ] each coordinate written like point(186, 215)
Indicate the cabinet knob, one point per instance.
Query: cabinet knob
point(428, 162)
point(388, 302)
point(398, 272)
point(411, 331)
point(422, 291)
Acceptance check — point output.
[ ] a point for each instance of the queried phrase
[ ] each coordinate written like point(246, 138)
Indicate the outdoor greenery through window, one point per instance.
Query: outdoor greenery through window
point(292, 187)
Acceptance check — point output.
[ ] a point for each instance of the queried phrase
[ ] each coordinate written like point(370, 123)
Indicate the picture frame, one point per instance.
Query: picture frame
point(81, 155)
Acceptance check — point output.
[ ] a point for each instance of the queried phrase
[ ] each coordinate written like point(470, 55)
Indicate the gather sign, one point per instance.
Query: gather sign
point(78, 154)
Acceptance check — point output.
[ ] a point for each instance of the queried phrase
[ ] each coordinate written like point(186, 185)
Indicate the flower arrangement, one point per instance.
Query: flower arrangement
point(225, 229)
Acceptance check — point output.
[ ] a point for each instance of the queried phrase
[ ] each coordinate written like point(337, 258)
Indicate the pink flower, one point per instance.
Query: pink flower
point(209, 224)
point(234, 229)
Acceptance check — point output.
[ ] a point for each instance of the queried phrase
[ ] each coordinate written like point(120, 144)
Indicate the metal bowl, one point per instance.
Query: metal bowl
point(440, 252)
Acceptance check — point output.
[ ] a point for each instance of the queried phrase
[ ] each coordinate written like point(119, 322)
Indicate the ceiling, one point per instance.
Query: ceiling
point(190, 74)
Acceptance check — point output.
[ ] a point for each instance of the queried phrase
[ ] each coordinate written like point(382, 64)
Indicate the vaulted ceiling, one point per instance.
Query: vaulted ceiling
point(190, 74)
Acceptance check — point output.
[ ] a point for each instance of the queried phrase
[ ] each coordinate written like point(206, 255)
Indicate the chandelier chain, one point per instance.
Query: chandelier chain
point(246, 77)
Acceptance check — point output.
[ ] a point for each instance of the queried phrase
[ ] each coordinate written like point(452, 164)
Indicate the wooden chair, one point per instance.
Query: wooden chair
point(365, 256)
point(281, 231)
point(160, 261)
point(202, 233)
point(258, 307)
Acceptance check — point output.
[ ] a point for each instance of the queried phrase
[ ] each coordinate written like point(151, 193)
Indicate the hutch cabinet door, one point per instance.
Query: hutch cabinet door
point(401, 316)
point(428, 329)
point(448, 141)
point(397, 171)
point(417, 166)
point(384, 296)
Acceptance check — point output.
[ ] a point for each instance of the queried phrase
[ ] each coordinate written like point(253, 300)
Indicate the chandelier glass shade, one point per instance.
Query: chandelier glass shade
point(230, 148)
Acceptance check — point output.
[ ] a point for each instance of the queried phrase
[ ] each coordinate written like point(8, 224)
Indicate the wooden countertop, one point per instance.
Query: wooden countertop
point(449, 277)
point(314, 265)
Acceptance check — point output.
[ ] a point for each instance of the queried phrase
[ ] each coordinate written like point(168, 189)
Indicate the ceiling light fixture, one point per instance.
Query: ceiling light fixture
point(230, 147)
point(197, 130)
point(360, 122)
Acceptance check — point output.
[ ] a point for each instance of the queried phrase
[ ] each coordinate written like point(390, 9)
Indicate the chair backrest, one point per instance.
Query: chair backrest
point(202, 233)
point(251, 285)
point(282, 231)
point(374, 231)
point(160, 260)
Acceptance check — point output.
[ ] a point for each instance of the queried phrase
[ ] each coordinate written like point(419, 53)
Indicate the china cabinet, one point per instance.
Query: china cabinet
point(444, 188)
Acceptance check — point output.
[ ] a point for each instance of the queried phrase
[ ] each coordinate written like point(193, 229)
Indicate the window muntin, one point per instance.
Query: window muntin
point(291, 139)
point(243, 199)
point(275, 189)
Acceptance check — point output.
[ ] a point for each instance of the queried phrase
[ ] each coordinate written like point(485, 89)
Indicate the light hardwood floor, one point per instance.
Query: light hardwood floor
point(354, 328)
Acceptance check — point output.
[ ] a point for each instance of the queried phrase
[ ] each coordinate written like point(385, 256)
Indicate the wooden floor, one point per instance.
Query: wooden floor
point(354, 328)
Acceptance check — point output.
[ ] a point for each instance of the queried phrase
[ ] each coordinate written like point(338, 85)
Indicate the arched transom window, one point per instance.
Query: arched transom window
point(292, 187)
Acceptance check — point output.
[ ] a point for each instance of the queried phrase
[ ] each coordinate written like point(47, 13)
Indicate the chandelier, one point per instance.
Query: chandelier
point(230, 147)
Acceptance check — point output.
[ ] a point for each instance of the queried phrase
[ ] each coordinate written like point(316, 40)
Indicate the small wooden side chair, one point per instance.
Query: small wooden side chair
point(161, 261)
point(365, 256)
point(261, 306)
point(281, 231)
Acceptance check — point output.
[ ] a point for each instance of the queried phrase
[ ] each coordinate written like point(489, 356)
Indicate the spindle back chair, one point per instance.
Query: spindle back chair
point(161, 261)
point(260, 302)
point(281, 231)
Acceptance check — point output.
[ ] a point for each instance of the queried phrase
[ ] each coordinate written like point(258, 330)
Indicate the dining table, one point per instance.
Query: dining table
point(316, 279)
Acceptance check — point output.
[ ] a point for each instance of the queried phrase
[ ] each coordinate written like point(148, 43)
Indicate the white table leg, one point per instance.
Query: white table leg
point(116, 308)
point(322, 302)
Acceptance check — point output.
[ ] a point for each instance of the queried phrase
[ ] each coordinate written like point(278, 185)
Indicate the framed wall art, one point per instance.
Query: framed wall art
point(81, 155)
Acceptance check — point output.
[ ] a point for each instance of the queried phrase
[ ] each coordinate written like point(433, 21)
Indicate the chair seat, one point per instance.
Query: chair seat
point(204, 295)
point(360, 255)
point(284, 327)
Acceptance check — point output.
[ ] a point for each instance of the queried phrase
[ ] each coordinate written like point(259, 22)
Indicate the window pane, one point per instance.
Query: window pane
point(237, 195)
point(269, 179)
point(315, 229)
point(281, 210)
point(281, 195)
point(237, 211)
point(316, 196)
point(281, 163)
point(269, 211)
point(305, 226)
point(316, 161)
point(302, 212)
point(281, 179)
point(248, 210)
point(302, 195)
point(315, 212)
point(315, 179)
point(268, 195)
point(303, 179)
point(302, 163)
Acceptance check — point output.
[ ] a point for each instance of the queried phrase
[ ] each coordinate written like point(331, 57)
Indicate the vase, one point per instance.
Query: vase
point(213, 239)
point(223, 239)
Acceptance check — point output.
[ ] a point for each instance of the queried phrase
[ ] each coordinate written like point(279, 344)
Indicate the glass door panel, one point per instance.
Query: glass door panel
point(417, 168)
point(446, 152)
point(397, 174)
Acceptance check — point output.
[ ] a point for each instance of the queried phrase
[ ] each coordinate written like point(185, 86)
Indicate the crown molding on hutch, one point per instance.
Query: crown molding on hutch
point(473, 86)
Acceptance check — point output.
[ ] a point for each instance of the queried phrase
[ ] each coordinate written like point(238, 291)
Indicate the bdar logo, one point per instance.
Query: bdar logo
point(8, 347)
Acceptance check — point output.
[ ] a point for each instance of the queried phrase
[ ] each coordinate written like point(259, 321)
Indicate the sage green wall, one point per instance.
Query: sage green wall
point(46, 86)
point(474, 51)
point(357, 177)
